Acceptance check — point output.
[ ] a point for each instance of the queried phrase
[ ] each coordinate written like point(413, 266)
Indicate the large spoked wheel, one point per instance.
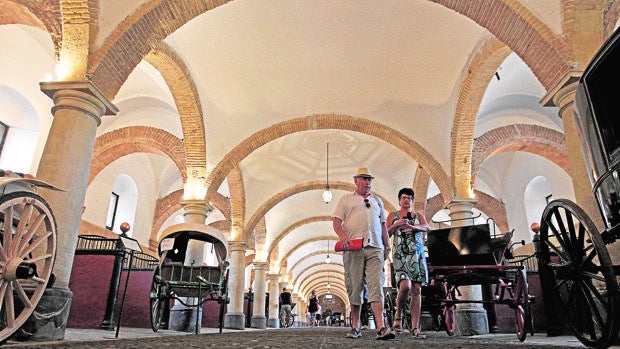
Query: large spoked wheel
point(523, 312)
point(578, 273)
point(388, 309)
point(27, 256)
point(156, 304)
point(449, 309)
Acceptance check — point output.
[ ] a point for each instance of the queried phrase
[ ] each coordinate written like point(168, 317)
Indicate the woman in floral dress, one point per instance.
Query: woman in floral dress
point(409, 261)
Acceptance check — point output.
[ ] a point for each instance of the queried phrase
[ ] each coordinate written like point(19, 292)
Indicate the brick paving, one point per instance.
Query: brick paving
point(307, 337)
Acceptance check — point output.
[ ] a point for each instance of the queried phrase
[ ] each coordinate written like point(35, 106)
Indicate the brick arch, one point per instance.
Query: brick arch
point(296, 189)
point(237, 205)
point(480, 71)
point(329, 121)
point(113, 145)
point(129, 43)
point(534, 139)
point(612, 14)
point(43, 15)
point(547, 54)
point(420, 188)
point(187, 99)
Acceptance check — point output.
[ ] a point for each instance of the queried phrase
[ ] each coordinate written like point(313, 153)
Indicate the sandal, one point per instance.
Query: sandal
point(417, 334)
point(398, 327)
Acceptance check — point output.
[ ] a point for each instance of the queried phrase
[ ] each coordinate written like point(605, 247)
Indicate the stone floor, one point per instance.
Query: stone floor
point(306, 337)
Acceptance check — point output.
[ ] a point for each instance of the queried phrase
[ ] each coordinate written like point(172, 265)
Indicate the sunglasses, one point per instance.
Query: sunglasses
point(367, 203)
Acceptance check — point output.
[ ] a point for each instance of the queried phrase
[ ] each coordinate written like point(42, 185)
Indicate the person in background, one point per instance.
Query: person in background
point(361, 215)
point(313, 307)
point(285, 307)
point(409, 230)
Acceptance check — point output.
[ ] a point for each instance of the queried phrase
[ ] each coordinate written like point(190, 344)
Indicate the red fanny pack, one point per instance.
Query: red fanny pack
point(354, 245)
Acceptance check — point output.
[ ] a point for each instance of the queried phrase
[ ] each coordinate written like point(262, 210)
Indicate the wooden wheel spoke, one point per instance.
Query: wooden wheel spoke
point(35, 244)
point(560, 253)
point(25, 240)
point(588, 306)
point(9, 306)
point(42, 257)
point(7, 228)
point(3, 287)
point(22, 294)
point(25, 217)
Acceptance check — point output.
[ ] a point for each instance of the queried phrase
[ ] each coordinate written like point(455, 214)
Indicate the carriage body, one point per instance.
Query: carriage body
point(180, 277)
point(575, 268)
point(471, 255)
point(597, 112)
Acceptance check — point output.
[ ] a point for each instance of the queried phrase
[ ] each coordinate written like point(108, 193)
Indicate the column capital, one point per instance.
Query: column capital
point(51, 89)
point(261, 265)
point(555, 95)
point(274, 277)
point(237, 245)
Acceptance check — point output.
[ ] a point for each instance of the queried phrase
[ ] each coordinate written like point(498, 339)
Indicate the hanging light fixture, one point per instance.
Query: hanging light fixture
point(328, 285)
point(327, 195)
point(327, 260)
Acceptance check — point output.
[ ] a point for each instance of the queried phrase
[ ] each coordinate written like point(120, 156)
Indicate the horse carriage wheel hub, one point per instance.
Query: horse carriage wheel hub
point(16, 268)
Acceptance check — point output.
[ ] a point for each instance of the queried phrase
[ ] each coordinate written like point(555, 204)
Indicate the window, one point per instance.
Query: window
point(112, 211)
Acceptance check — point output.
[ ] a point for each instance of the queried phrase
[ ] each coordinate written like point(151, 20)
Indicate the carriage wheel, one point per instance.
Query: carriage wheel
point(523, 312)
point(577, 271)
point(388, 310)
point(27, 253)
point(156, 309)
point(449, 315)
point(156, 303)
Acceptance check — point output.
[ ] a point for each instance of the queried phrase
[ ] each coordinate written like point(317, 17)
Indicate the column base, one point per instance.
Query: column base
point(235, 321)
point(471, 321)
point(48, 321)
point(273, 323)
point(183, 319)
point(259, 322)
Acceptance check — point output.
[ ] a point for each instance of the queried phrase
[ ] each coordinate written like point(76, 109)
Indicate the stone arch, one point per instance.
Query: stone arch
point(113, 145)
point(327, 121)
point(535, 139)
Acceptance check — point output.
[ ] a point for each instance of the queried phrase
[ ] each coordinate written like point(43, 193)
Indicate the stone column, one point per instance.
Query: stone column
point(471, 318)
point(188, 318)
point(65, 163)
point(235, 318)
point(563, 96)
point(259, 320)
point(274, 317)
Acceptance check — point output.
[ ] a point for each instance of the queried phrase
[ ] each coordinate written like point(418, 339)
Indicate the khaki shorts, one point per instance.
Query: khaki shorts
point(364, 265)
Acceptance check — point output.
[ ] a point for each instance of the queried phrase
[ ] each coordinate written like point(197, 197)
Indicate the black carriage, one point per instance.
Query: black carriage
point(27, 249)
point(576, 269)
point(470, 255)
point(181, 278)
